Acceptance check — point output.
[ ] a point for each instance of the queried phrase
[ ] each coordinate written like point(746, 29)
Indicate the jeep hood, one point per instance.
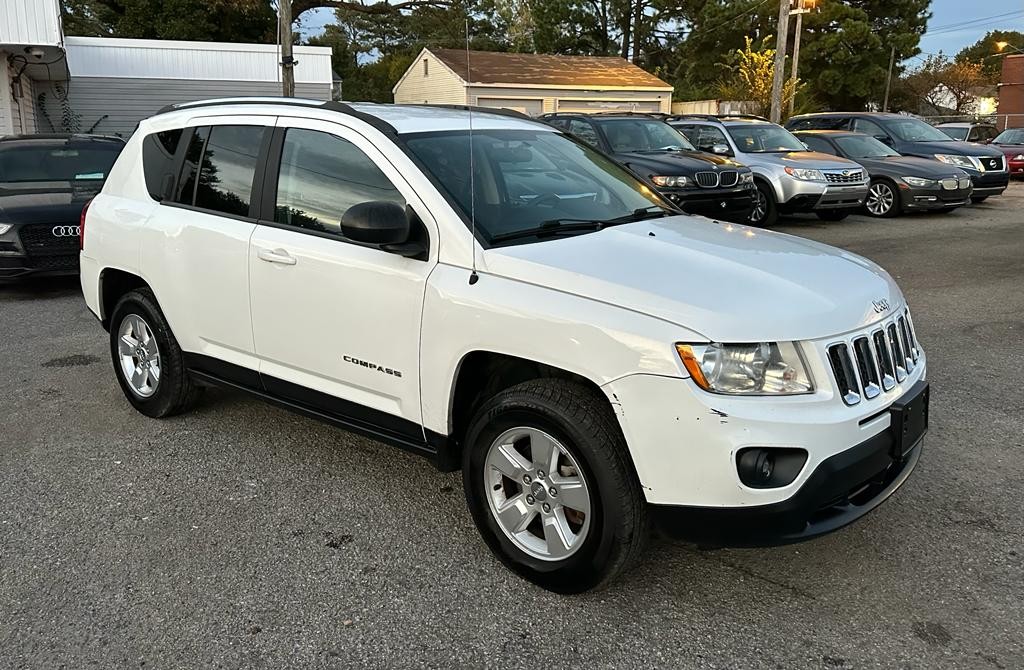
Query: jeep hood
point(727, 282)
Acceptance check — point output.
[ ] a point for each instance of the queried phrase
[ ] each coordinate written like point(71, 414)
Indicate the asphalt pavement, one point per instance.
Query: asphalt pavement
point(243, 536)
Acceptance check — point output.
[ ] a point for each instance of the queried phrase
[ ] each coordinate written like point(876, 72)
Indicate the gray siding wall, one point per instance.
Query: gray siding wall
point(553, 99)
point(115, 105)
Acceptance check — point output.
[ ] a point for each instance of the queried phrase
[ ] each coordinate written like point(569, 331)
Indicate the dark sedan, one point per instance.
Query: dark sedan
point(698, 182)
point(1011, 143)
point(898, 183)
point(45, 181)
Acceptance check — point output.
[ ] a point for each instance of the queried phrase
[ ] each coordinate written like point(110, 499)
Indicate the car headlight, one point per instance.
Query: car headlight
point(763, 368)
point(919, 182)
point(805, 174)
point(4, 227)
point(670, 181)
point(957, 160)
point(746, 177)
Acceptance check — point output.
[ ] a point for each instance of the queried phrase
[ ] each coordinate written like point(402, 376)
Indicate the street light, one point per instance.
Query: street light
point(1002, 45)
point(802, 7)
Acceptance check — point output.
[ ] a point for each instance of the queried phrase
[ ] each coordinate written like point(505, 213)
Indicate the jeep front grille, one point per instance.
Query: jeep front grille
point(845, 177)
point(871, 363)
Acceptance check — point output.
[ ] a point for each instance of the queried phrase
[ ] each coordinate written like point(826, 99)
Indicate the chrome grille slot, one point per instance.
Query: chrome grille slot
point(842, 369)
point(728, 178)
point(898, 359)
point(884, 358)
point(908, 345)
point(707, 179)
point(914, 346)
point(850, 177)
point(866, 367)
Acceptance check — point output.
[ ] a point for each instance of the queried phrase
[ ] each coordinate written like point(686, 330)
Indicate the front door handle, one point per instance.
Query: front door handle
point(275, 256)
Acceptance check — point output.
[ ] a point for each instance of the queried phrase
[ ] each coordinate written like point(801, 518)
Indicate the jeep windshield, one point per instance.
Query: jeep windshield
point(531, 185)
point(764, 139)
point(642, 135)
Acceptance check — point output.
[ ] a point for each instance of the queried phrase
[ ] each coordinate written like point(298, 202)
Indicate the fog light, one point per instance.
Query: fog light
point(766, 468)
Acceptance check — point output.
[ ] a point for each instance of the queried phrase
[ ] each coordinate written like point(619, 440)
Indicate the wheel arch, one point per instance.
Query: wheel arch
point(114, 283)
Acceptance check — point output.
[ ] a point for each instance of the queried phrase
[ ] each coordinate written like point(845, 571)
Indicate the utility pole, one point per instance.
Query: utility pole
point(284, 36)
point(888, 80)
point(799, 11)
point(780, 61)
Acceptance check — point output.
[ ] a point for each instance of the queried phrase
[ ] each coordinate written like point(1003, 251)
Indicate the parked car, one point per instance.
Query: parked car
point(45, 180)
point(898, 183)
point(1011, 143)
point(913, 137)
point(789, 178)
point(591, 358)
point(700, 183)
point(982, 133)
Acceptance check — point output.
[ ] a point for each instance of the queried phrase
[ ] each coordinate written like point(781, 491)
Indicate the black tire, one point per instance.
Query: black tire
point(584, 424)
point(895, 209)
point(978, 198)
point(833, 214)
point(770, 214)
point(175, 391)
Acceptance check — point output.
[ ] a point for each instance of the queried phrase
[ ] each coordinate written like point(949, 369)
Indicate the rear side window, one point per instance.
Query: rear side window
point(158, 151)
point(186, 190)
point(321, 176)
point(227, 169)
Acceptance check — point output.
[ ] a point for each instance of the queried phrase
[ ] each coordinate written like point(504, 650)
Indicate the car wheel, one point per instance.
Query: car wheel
point(833, 214)
point(551, 486)
point(978, 198)
point(147, 360)
point(883, 200)
point(765, 212)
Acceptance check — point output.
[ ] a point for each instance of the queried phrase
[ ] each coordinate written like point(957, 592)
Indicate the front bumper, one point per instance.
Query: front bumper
point(833, 196)
point(710, 202)
point(934, 198)
point(989, 183)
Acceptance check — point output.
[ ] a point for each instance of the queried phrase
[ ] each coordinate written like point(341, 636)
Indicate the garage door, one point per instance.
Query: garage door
point(526, 106)
point(591, 106)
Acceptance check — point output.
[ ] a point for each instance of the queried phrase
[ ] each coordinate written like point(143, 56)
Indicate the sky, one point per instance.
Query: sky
point(948, 16)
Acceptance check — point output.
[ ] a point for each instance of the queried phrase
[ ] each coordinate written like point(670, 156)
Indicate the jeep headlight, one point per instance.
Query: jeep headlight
point(919, 182)
point(805, 174)
point(957, 160)
point(670, 181)
point(762, 368)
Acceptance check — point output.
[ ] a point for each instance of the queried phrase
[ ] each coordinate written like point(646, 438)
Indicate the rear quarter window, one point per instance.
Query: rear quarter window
point(158, 153)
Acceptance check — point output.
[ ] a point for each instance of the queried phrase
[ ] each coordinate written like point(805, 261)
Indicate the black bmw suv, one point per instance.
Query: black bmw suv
point(699, 183)
point(45, 181)
point(911, 136)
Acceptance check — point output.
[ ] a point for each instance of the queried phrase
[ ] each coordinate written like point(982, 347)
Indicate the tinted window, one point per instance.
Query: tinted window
point(914, 130)
point(158, 161)
point(957, 132)
point(757, 138)
point(869, 127)
point(709, 136)
point(28, 162)
point(640, 134)
point(229, 164)
point(862, 146)
point(322, 176)
point(1011, 136)
point(817, 144)
point(187, 182)
point(584, 131)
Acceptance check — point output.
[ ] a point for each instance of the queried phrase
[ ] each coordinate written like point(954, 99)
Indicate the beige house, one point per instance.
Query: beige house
point(531, 83)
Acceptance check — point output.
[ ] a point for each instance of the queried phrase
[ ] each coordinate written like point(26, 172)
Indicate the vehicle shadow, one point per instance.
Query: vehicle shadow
point(42, 288)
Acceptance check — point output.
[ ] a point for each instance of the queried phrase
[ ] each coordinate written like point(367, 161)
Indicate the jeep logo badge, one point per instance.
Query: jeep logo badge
point(880, 305)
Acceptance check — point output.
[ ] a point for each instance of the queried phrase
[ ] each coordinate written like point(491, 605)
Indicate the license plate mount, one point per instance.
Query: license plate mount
point(909, 419)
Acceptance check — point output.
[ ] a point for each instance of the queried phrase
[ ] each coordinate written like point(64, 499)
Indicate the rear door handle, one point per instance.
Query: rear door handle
point(275, 256)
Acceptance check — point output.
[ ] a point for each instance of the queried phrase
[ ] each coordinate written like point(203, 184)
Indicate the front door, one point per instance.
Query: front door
point(336, 324)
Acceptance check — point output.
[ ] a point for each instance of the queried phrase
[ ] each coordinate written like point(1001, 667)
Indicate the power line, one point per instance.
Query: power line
point(986, 18)
point(975, 23)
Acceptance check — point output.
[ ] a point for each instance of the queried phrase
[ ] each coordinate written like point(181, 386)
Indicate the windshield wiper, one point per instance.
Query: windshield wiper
point(565, 225)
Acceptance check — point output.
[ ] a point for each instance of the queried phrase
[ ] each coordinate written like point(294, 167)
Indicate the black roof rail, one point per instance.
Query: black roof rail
point(330, 105)
point(703, 117)
point(500, 111)
point(739, 115)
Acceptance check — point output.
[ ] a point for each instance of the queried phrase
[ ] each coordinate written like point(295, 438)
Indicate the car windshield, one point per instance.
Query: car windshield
point(763, 138)
point(640, 134)
point(526, 179)
point(64, 162)
point(956, 132)
point(1012, 136)
point(864, 147)
point(915, 130)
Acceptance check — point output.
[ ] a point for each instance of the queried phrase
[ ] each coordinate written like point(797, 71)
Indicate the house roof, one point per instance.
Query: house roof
point(491, 67)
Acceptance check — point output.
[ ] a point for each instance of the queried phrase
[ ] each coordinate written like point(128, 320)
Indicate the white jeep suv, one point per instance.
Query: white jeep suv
point(485, 291)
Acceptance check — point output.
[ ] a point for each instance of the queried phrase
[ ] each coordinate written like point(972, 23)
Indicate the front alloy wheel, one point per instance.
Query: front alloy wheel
point(882, 199)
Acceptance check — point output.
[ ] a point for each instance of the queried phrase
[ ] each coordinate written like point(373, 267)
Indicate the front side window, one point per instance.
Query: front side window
point(710, 136)
point(864, 147)
point(228, 168)
point(818, 144)
point(915, 130)
point(957, 133)
point(642, 135)
point(869, 127)
point(583, 130)
point(321, 176)
point(762, 138)
point(526, 179)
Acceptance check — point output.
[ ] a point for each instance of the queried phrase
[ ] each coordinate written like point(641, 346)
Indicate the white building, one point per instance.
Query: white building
point(106, 85)
point(531, 83)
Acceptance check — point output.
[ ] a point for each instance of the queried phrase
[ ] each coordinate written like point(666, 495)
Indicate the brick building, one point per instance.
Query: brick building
point(1011, 93)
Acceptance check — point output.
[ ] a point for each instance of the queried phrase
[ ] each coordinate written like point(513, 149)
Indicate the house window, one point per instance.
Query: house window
point(426, 67)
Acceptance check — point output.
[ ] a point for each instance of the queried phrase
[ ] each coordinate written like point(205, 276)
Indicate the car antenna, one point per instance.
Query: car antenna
point(473, 276)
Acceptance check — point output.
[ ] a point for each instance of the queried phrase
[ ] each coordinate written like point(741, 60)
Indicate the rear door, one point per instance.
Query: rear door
point(336, 323)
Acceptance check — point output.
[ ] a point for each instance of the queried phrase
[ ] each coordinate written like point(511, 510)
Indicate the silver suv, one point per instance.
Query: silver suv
point(789, 177)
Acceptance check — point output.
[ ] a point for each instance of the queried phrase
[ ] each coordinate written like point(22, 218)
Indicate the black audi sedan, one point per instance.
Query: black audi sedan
point(898, 183)
point(45, 181)
point(913, 137)
point(698, 182)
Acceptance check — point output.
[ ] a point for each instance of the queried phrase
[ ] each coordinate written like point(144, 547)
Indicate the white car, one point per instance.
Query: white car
point(484, 290)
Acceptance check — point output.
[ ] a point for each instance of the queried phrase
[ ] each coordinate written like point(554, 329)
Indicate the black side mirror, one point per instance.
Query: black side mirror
point(384, 223)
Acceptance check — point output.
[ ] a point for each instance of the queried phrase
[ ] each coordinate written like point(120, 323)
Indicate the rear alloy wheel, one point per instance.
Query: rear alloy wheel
point(882, 200)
